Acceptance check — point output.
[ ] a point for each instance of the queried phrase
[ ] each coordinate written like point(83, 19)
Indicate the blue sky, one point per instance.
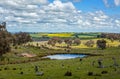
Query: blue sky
point(61, 15)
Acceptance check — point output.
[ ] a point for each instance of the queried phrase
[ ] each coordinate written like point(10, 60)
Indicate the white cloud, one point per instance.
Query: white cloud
point(58, 5)
point(106, 3)
point(117, 2)
point(39, 15)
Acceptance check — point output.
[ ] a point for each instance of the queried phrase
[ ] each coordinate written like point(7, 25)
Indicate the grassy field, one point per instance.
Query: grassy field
point(67, 35)
point(82, 45)
point(14, 66)
point(52, 35)
point(55, 69)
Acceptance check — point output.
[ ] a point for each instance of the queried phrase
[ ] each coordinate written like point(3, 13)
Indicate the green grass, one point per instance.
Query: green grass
point(53, 69)
point(66, 35)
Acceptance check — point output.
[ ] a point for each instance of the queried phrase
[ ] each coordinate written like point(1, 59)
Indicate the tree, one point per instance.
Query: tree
point(54, 40)
point(51, 42)
point(77, 41)
point(101, 44)
point(89, 43)
point(21, 37)
point(68, 42)
point(5, 41)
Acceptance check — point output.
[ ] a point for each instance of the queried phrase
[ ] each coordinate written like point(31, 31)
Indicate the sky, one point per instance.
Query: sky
point(61, 15)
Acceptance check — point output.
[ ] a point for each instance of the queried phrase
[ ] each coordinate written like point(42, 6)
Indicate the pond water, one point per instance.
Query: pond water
point(65, 56)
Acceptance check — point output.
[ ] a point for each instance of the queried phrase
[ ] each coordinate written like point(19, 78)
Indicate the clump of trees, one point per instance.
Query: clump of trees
point(7, 39)
point(54, 40)
point(67, 41)
point(101, 44)
point(20, 38)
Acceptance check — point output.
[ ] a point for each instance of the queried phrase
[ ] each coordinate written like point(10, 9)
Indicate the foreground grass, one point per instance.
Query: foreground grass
point(55, 69)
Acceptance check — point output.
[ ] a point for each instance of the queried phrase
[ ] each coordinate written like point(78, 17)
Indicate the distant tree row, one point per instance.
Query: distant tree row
point(90, 43)
point(68, 41)
point(111, 36)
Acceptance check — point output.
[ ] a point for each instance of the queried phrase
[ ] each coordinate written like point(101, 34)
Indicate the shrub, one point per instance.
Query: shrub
point(90, 73)
point(68, 73)
point(14, 69)
point(80, 59)
point(101, 44)
point(104, 72)
point(21, 72)
point(5, 68)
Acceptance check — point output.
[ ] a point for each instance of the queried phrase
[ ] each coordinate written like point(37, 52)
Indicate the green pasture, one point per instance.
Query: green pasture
point(13, 66)
point(66, 35)
point(55, 69)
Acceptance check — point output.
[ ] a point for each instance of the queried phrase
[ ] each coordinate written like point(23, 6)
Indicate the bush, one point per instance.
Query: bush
point(16, 47)
point(104, 72)
point(90, 73)
point(14, 69)
point(5, 68)
point(68, 73)
point(21, 73)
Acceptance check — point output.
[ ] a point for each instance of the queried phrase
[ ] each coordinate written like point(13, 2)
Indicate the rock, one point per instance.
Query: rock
point(39, 73)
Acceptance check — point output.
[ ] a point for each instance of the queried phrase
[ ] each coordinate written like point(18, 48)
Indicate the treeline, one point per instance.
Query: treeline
point(111, 36)
point(68, 41)
point(7, 40)
point(76, 41)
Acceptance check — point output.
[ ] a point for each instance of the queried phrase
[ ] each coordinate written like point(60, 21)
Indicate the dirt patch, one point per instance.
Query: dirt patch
point(27, 55)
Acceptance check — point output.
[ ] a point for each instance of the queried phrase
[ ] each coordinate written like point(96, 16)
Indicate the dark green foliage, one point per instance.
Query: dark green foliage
point(5, 68)
point(101, 44)
point(104, 72)
point(14, 69)
point(5, 40)
point(21, 37)
point(90, 73)
point(81, 59)
point(68, 73)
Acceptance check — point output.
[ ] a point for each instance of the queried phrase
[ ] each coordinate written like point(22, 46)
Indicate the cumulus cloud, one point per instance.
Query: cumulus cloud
point(41, 15)
point(115, 2)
